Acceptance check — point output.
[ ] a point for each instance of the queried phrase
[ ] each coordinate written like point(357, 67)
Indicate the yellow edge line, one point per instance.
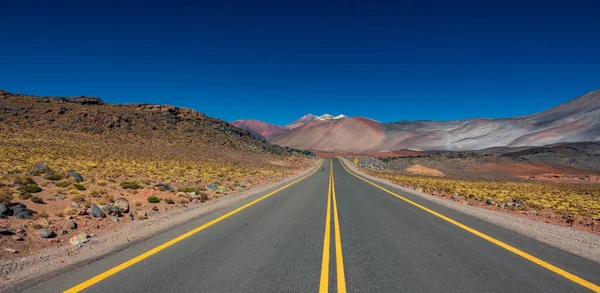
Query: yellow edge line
point(341, 278)
point(508, 247)
point(324, 284)
point(155, 250)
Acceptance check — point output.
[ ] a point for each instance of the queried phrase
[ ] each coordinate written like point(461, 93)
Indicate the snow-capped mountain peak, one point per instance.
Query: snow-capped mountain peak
point(328, 117)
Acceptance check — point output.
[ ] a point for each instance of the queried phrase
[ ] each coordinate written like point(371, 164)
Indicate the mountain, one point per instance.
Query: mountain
point(260, 129)
point(574, 121)
point(269, 131)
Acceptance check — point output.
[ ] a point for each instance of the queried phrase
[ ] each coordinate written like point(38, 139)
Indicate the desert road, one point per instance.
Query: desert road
point(333, 231)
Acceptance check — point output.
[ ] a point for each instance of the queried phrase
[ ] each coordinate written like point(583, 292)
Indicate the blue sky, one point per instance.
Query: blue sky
point(276, 61)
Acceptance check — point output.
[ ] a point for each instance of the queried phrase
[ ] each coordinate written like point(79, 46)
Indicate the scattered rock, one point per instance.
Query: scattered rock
point(7, 231)
point(131, 216)
point(122, 204)
point(97, 212)
point(243, 185)
point(150, 213)
point(533, 212)
point(503, 205)
point(419, 189)
point(22, 212)
point(4, 211)
point(75, 176)
point(510, 204)
point(46, 233)
point(75, 206)
point(155, 208)
point(166, 187)
point(490, 202)
point(41, 168)
point(455, 195)
point(10, 250)
point(71, 224)
point(212, 187)
point(462, 197)
point(64, 232)
point(518, 203)
point(17, 238)
point(82, 212)
point(114, 219)
point(58, 197)
point(79, 239)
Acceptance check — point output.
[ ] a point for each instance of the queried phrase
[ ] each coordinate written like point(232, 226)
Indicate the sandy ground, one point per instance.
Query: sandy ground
point(51, 260)
point(577, 242)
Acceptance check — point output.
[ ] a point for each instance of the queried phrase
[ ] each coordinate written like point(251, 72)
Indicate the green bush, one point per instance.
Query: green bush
point(25, 195)
point(130, 185)
point(62, 184)
point(153, 199)
point(189, 189)
point(79, 186)
point(37, 199)
point(54, 177)
point(29, 188)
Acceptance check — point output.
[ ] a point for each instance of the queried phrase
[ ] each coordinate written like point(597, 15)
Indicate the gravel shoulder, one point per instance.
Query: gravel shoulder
point(574, 241)
point(54, 261)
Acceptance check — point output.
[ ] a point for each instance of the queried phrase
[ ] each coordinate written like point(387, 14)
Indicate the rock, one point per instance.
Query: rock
point(510, 204)
point(71, 224)
point(155, 208)
point(122, 204)
point(75, 176)
point(82, 212)
point(150, 213)
point(419, 189)
point(41, 168)
point(131, 217)
point(490, 202)
point(114, 219)
point(17, 238)
point(503, 205)
point(97, 212)
point(64, 232)
point(75, 206)
point(243, 185)
point(534, 212)
point(106, 208)
point(4, 211)
point(58, 197)
point(22, 212)
point(462, 197)
point(166, 187)
point(79, 239)
point(192, 195)
point(7, 231)
point(46, 233)
point(212, 187)
point(518, 203)
point(10, 250)
point(455, 195)
point(116, 212)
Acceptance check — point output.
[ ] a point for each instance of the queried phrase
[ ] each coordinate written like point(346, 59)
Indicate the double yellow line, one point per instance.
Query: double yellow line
point(339, 259)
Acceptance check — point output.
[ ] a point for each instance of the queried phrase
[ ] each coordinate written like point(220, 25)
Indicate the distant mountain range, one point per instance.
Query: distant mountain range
point(574, 121)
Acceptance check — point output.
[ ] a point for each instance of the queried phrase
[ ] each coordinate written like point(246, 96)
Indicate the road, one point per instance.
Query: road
point(334, 232)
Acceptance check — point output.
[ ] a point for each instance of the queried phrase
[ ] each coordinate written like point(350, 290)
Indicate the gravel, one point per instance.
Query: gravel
point(574, 241)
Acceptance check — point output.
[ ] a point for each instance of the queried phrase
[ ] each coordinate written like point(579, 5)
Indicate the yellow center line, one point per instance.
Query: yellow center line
point(155, 250)
point(339, 259)
point(508, 247)
point(324, 284)
point(341, 278)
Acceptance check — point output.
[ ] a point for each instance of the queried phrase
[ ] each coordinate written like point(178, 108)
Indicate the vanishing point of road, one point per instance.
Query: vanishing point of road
point(333, 231)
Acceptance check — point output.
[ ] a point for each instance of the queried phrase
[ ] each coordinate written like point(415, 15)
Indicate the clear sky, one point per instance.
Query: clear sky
point(276, 61)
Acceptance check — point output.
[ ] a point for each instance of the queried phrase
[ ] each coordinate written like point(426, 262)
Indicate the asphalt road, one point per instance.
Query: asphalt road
point(368, 240)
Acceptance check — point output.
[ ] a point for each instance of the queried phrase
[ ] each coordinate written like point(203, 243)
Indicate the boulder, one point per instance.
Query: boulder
point(79, 239)
point(166, 187)
point(75, 176)
point(71, 224)
point(212, 187)
point(122, 204)
point(46, 233)
point(41, 168)
point(21, 212)
point(97, 212)
point(5, 211)
point(114, 219)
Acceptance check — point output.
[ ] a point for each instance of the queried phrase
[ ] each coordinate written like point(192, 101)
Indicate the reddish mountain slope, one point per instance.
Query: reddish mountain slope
point(349, 135)
point(260, 129)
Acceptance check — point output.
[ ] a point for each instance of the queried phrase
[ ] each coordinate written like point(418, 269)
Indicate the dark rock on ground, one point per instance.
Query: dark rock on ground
point(71, 224)
point(5, 211)
point(75, 176)
point(6, 231)
point(166, 187)
point(97, 212)
point(212, 187)
point(41, 168)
